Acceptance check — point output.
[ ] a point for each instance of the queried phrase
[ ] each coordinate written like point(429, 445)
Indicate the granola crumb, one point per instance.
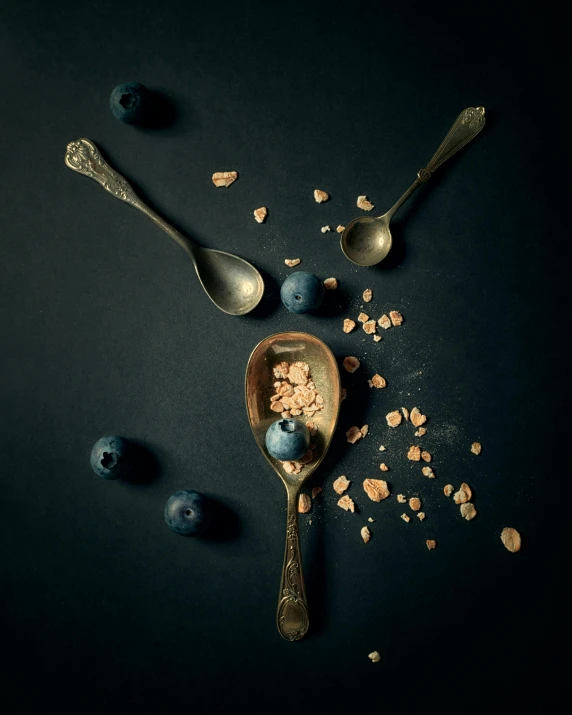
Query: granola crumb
point(370, 519)
point(304, 503)
point(369, 327)
point(289, 467)
point(260, 214)
point(511, 539)
point(414, 453)
point(431, 544)
point(468, 511)
point(353, 435)
point(363, 203)
point(426, 456)
point(417, 419)
point(331, 283)
point(363, 317)
point(312, 428)
point(405, 412)
point(349, 325)
point(340, 229)
point(405, 518)
point(476, 448)
point(381, 448)
point(341, 484)
point(325, 229)
point(384, 322)
point(415, 503)
point(367, 295)
point(448, 489)
point(365, 534)
point(376, 338)
point(463, 495)
point(320, 196)
point(291, 262)
point(224, 178)
point(364, 430)
point(393, 418)
point(428, 472)
point(376, 489)
point(384, 467)
point(316, 491)
point(401, 498)
point(343, 394)
point(395, 317)
point(281, 371)
point(374, 657)
point(351, 363)
point(420, 432)
point(421, 515)
point(346, 503)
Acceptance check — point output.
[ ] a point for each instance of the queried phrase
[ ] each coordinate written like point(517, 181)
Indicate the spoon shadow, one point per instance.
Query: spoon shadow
point(270, 301)
point(315, 574)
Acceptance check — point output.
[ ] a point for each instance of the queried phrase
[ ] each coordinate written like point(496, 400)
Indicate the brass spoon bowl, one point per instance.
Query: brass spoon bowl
point(367, 240)
point(233, 284)
point(292, 617)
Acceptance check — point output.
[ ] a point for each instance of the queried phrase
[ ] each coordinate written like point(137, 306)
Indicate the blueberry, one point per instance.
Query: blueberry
point(302, 292)
point(188, 512)
point(112, 457)
point(287, 439)
point(130, 102)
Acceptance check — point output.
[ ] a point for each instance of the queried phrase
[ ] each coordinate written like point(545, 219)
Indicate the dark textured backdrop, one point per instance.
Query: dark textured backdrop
point(106, 329)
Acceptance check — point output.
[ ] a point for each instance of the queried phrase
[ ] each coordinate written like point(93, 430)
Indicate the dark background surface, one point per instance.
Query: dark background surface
point(105, 329)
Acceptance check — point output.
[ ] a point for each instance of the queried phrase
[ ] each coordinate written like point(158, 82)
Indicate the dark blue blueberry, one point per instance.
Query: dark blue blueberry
point(287, 439)
point(112, 457)
point(188, 512)
point(130, 102)
point(302, 292)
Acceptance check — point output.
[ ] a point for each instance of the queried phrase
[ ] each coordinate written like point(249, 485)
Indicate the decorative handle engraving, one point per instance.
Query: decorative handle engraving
point(466, 127)
point(84, 157)
point(292, 614)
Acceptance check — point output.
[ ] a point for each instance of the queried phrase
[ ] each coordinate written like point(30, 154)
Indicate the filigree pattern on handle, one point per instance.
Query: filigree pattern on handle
point(466, 127)
point(84, 157)
point(292, 616)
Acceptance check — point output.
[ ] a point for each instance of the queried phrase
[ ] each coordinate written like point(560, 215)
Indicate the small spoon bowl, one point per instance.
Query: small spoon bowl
point(367, 240)
point(292, 614)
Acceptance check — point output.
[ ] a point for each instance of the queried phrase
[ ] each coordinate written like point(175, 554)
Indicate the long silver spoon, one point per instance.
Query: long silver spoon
point(233, 284)
point(367, 240)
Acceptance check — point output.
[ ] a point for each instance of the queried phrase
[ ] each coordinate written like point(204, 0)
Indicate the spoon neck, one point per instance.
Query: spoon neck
point(399, 203)
point(184, 242)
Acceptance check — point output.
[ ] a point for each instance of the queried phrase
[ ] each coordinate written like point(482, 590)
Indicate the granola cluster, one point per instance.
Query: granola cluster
point(296, 395)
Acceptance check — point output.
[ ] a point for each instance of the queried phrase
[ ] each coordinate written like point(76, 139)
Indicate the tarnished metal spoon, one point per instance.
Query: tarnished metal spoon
point(233, 284)
point(367, 240)
point(292, 615)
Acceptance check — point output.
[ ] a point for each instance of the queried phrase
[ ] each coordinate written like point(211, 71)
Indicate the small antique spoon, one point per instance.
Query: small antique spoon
point(233, 284)
point(292, 614)
point(367, 240)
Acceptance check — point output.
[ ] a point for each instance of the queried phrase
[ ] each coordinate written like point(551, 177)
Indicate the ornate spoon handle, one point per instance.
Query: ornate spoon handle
point(84, 157)
point(466, 127)
point(292, 614)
